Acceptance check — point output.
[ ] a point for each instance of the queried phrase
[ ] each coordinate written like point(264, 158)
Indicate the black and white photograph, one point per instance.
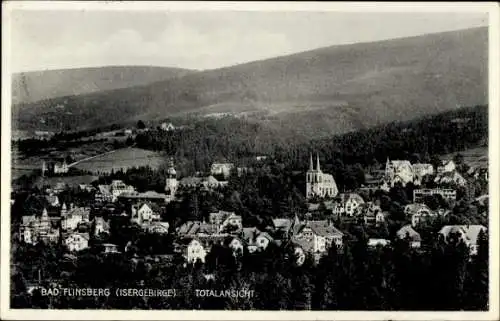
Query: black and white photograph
point(239, 158)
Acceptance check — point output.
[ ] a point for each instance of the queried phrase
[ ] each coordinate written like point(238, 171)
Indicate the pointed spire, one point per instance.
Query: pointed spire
point(317, 162)
point(311, 162)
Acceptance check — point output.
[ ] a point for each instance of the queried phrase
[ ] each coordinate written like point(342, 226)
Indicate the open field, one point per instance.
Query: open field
point(474, 156)
point(122, 159)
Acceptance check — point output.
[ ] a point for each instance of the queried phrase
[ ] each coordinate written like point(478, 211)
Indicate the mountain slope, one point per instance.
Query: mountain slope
point(319, 92)
point(38, 85)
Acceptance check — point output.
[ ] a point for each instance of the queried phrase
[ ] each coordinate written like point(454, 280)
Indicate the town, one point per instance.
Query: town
point(196, 217)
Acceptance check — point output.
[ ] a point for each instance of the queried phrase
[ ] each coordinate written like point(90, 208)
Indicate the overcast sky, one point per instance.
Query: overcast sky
point(202, 40)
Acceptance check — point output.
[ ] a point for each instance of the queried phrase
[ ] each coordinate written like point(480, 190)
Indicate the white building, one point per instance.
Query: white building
point(418, 213)
point(347, 203)
point(221, 169)
point(61, 168)
point(144, 213)
point(421, 170)
point(407, 232)
point(167, 126)
point(446, 166)
point(118, 187)
point(77, 241)
point(318, 183)
point(195, 252)
point(398, 171)
point(73, 217)
point(467, 233)
point(171, 182)
point(447, 193)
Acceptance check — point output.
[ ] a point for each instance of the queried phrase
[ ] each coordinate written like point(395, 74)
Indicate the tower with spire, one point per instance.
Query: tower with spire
point(318, 183)
point(171, 182)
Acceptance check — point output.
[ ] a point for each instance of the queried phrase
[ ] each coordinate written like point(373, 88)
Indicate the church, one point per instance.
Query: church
point(318, 183)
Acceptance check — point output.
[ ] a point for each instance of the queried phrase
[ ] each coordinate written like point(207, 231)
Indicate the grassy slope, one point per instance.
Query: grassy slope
point(38, 85)
point(320, 92)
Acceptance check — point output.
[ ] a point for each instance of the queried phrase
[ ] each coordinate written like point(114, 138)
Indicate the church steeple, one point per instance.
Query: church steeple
point(311, 162)
point(317, 163)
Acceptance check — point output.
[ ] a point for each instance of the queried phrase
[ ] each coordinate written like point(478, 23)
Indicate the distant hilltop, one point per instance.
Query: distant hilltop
point(319, 92)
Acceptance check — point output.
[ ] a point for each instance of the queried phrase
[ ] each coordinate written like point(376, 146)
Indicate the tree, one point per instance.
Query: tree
point(140, 124)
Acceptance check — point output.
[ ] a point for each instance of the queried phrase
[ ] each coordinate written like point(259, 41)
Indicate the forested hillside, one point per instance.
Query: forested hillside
point(316, 93)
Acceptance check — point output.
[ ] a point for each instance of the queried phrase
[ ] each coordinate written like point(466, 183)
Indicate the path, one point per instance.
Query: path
point(86, 159)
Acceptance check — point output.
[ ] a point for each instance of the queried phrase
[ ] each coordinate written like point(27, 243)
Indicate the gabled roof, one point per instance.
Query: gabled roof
point(86, 236)
point(52, 198)
point(306, 245)
point(407, 230)
point(470, 232)
point(27, 219)
point(78, 211)
point(210, 180)
point(103, 189)
point(415, 207)
point(190, 180)
point(344, 197)
point(249, 234)
point(266, 235)
point(323, 228)
point(282, 223)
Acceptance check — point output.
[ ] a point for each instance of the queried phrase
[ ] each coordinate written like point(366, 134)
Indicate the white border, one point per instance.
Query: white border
point(494, 117)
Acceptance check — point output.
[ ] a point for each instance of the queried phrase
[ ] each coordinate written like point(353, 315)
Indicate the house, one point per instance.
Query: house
point(301, 248)
point(117, 187)
point(197, 228)
point(34, 229)
point(61, 168)
point(194, 251)
point(398, 171)
point(319, 184)
point(418, 213)
point(127, 131)
point(73, 217)
point(469, 234)
point(450, 178)
point(260, 158)
point(108, 248)
point(446, 166)
point(347, 203)
point(157, 227)
point(447, 194)
point(322, 234)
point(148, 196)
point(86, 188)
point(60, 187)
point(249, 236)
point(77, 241)
point(263, 240)
point(286, 227)
point(103, 194)
point(236, 244)
point(222, 220)
point(52, 200)
point(420, 170)
point(144, 213)
point(371, 213)
point(223, 169)
point(408, 233)
point(167, 126)
point(373, 242)
point(208, 182)
point(100, 226)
